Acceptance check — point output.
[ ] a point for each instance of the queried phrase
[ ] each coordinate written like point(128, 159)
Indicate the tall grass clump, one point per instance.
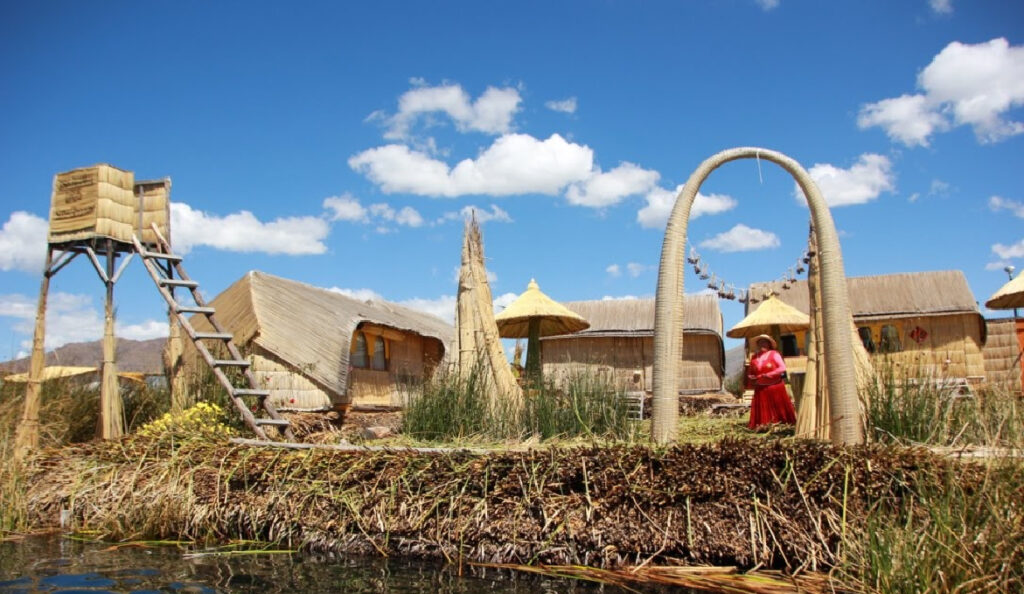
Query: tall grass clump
point(451, 407)
point(944, 537)
point(905, 411)
point(587, 405)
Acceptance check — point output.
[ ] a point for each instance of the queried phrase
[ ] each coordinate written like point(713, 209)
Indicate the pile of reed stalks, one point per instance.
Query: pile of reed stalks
point(749, 503)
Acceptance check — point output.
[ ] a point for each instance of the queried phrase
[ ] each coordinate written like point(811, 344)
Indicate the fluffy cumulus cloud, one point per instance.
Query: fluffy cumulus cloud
point(941, 6)
point(863, 182)
point(69, 318)
point(23, 243)
point(243, 232)
point(344, 208)
point(481, 215)
point(563, 106)
point(513, 164)
point(998, 203)
point(741, 238)
point(972, 85)
point(603, 189)
point(1007, 252)
point(909, 119)
point(491, 112)
point(660, 202)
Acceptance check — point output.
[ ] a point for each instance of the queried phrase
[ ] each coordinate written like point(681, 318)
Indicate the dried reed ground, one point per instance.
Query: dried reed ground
point(755, 502)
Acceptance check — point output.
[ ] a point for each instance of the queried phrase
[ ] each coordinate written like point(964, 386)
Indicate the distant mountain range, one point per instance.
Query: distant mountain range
point(147, 356)
point(144, 356)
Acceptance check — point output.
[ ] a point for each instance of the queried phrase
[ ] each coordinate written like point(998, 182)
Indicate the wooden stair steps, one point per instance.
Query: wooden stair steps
point(230, 363)
point(162, 265)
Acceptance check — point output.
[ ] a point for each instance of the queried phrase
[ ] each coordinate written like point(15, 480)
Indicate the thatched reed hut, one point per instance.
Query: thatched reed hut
point(619, 344)
point(1003, 366)
point(317, 349)
point(923, 324)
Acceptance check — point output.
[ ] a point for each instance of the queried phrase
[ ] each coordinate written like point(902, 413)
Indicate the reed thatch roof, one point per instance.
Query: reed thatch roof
point(309, 328)
point(635, 317)
point(912, 294)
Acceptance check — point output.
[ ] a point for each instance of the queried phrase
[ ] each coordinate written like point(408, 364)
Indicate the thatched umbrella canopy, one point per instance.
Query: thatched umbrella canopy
point(772, 317)
point(1011, 295)
point(533, 315)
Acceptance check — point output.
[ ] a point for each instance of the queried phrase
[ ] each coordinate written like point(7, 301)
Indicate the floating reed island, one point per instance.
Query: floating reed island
point(748, 503)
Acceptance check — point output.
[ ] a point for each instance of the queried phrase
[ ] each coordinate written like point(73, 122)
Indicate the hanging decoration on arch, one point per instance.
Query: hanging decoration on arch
point(727, 290)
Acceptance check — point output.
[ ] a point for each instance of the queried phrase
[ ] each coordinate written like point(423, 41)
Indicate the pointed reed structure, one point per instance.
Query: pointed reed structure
point(478, 343)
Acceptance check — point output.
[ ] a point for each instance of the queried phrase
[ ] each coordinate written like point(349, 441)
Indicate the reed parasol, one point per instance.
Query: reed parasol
point(772, 317)
point(1010, 296)
point(534, 315)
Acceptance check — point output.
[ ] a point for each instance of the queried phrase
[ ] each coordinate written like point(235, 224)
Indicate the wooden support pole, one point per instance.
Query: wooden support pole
point(111, 415)
point(27, 435)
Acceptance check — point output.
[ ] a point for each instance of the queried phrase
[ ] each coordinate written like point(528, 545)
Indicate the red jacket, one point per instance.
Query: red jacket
point(766, 368)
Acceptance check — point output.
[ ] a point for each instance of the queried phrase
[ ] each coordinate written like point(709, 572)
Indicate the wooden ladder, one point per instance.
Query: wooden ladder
point(162, 265)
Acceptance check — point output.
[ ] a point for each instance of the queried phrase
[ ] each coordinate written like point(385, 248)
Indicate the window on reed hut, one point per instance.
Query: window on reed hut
point(369, 351)
point(890, 340)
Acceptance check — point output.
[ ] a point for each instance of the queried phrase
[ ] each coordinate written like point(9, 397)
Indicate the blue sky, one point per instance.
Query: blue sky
point(341, 144)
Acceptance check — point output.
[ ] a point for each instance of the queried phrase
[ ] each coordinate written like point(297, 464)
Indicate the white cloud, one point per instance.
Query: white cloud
point(606, 189)
point(1007, 252)
point(741, 239)
point(564, 106)
point(613, 270)
point(442, 307)
point(496, 214)
point(491, 113)
point(964, 85)
point(997, 265)
point(23, 243)
point(504, 300)
point(909, 119)
point(243, 232)
point(70, 318)
point(660, 202)
point(997, 203)
point(939, 188)
point(407, 215)
point(767, 5)
point(513, 164)
point(635, 269)
point(941, 6)
point(345, 208)
point(144, 331)
point(863, 182)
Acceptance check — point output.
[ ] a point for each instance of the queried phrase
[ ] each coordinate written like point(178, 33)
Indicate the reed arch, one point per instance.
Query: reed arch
point(847, 428)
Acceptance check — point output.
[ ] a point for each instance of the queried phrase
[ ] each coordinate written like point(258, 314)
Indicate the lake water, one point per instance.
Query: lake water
point(59, 564)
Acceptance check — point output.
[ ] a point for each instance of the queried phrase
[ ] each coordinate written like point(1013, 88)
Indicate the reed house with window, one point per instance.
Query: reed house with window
point(923, 324)
point(317, 349)
point(619, 345)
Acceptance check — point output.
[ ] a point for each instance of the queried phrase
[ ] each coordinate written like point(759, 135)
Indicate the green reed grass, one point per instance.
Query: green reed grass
point(905, 411)
point(944, 538)
point(453, 408)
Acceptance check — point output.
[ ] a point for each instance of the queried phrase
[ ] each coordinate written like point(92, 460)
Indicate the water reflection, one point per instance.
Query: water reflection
point(58, 564)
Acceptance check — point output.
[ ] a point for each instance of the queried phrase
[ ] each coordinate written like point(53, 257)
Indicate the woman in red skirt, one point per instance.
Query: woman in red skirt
point(771, 401)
